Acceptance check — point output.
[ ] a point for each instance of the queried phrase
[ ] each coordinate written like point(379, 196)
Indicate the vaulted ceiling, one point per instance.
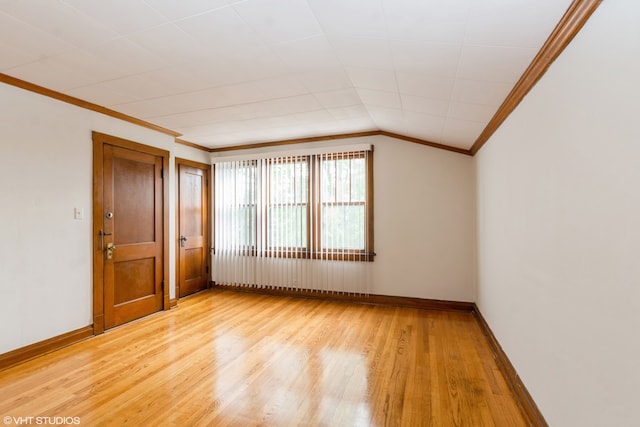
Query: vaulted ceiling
point(229, 72)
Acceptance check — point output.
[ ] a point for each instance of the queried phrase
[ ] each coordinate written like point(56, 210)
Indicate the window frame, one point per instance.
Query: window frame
point(344, 254)
point(313, 248)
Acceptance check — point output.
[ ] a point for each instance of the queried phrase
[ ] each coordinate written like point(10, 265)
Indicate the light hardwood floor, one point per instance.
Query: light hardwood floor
point(226, 358)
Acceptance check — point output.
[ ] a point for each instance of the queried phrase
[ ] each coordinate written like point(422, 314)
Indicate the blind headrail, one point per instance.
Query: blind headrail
point(254, 154)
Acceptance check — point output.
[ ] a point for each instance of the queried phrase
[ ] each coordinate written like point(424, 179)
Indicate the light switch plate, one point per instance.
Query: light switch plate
point(78, 213)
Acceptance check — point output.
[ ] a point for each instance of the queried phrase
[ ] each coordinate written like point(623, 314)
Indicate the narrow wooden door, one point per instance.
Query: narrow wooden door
point(193, 227)
point(129, 215)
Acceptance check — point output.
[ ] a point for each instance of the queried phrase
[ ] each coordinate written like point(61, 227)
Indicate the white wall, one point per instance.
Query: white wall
point(424, 219)
point(46, 172)
point(558, 190)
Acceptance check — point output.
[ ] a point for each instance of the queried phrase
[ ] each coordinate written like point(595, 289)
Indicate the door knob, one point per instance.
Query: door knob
point(110, 248)
point(182, 240)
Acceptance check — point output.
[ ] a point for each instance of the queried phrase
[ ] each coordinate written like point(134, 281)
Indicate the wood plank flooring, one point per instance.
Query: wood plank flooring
point(227, 358)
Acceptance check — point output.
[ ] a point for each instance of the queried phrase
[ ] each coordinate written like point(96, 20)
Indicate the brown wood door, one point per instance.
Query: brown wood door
point(131, 233)
point(193, 227)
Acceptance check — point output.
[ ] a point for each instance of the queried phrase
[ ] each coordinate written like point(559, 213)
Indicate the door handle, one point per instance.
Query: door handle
point(182, 240)
point(102, 234)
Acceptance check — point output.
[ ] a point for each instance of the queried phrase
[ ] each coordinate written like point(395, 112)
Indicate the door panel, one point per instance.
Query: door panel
point(193, 226)
point(132, 222)
point(135, 204)
point(193, 263)
point(131, 282)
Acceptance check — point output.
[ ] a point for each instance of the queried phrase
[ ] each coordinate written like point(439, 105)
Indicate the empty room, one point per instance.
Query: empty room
point(320, 212)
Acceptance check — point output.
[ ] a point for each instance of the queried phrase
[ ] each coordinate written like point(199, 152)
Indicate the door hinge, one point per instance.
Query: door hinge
point(162, 173)
point(162, 285)
point(207, 268)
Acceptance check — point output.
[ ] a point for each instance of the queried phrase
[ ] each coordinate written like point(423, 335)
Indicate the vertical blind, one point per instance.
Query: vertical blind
point(296, 221)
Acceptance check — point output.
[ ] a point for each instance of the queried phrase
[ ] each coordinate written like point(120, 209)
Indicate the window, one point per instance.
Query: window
point(288, 205)
point(343, 201)
point(236, 201)
point(316, 206)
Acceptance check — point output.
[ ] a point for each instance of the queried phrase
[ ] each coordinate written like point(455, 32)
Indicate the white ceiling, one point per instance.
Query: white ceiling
point(227, 72)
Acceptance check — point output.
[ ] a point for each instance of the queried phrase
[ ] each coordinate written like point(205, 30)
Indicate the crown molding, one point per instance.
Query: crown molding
point(425, 142)
point(573, 20)
point(293, 141)
point(22, 84)
point(341, 136)
point(191, 144)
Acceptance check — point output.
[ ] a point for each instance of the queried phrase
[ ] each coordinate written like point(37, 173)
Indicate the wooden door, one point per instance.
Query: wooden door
point(193, 227)
point(129, 221)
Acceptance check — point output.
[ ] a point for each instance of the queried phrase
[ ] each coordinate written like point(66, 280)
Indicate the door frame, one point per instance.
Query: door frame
point(207, 168)
point(99, 141)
